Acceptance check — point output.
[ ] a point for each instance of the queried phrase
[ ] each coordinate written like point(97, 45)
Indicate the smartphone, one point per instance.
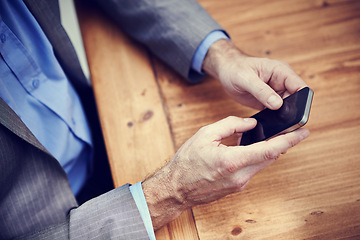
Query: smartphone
point(293, 114)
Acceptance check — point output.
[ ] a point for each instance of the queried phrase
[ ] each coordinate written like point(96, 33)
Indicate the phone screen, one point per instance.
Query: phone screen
point(293, 114)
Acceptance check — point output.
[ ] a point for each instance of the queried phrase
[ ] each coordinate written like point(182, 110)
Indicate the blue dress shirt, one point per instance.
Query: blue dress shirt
point(34, 85)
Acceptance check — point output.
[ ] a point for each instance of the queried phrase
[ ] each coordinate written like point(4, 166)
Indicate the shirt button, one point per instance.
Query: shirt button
point(73, 121)
point(3, 38)
point(36, 83)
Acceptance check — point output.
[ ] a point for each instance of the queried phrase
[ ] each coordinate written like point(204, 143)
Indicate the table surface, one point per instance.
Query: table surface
point(147, 112)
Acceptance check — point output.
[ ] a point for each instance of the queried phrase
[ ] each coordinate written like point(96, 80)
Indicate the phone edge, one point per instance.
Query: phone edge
point(306, 115)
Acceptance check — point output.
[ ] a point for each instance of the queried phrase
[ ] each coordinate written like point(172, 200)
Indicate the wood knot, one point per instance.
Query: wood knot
point(148, 115)
point(311, 76)
point(236, 231)
point(317, 213)
point(250, 221)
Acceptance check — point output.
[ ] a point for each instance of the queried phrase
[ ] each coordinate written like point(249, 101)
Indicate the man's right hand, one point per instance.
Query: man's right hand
point(204, 170)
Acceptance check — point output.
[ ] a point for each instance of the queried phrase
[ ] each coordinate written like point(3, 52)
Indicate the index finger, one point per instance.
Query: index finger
point(242, 156)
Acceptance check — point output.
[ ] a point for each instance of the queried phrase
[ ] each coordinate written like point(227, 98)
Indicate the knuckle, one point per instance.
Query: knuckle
point(228, 167)
point(203, 129)
point(270, 154)
point(261, 93)
point(261, 90)
point(279, 63)
point(245, 160)
point(230, 118)
point(280, 67)
point(285, 64)
point(240, 184)
point(292, 142)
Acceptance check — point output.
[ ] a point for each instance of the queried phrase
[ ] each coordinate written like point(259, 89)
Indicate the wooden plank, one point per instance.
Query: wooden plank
point(313, 191)
point(135, 127)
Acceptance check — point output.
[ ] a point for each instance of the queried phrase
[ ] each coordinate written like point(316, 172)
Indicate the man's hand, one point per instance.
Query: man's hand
point(254, 82)
point(204, 170)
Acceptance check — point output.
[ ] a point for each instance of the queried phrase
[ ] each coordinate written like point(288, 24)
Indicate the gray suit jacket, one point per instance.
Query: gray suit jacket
point(36, 201)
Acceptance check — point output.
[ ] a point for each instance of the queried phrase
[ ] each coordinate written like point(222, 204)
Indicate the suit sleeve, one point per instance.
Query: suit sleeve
point(36, 201)
point(171, 29)
point(112, 215)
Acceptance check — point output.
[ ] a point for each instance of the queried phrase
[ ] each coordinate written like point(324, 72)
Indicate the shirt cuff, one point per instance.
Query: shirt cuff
point(203, 48)
point(140, 201)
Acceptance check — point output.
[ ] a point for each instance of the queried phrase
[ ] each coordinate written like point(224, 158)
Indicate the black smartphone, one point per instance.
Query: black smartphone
point(293, 114)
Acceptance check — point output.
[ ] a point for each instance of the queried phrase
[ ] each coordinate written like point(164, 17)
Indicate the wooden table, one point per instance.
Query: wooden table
point(147, 112)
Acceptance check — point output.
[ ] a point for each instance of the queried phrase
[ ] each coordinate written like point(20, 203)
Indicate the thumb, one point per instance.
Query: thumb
point(263, 93)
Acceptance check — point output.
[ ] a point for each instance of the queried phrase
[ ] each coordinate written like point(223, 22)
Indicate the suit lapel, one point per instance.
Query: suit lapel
point(10, 120)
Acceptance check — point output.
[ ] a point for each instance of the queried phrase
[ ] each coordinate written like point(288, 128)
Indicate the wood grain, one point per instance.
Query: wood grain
point(313, 191)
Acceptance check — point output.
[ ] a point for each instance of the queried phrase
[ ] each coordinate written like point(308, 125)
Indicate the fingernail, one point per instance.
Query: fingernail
point(274, 102)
